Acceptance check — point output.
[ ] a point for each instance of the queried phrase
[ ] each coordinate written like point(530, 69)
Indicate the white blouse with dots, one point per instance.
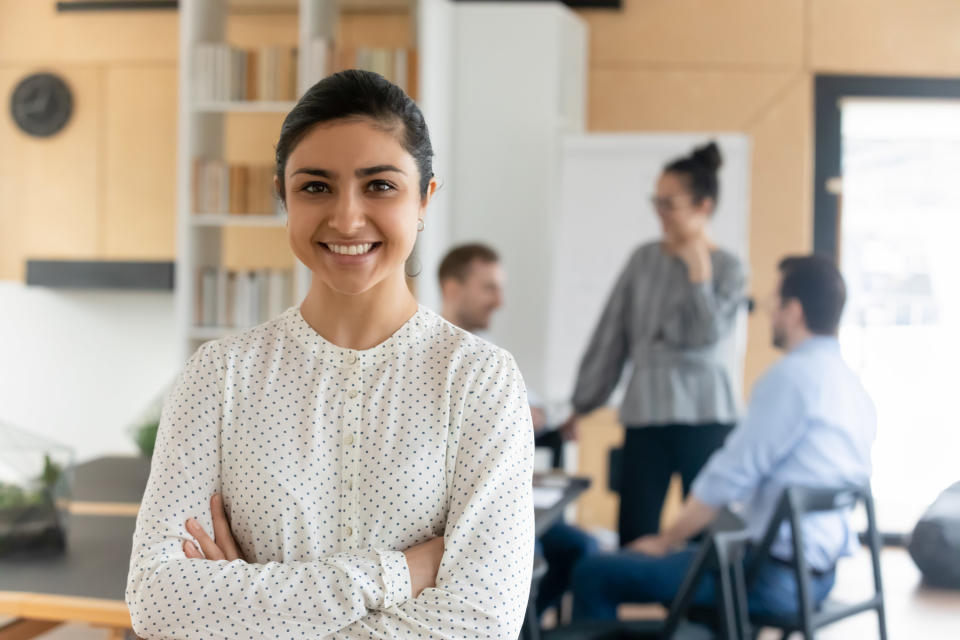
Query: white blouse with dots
point(331, 462)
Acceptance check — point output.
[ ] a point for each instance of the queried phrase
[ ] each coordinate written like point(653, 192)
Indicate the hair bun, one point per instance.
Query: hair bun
point(708, 155)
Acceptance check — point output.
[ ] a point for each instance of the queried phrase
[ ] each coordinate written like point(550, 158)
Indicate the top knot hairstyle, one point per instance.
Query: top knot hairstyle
point(699, 169)
point(356, 94)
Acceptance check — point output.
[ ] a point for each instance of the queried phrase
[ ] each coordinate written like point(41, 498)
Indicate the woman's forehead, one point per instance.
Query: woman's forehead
point(350, 143)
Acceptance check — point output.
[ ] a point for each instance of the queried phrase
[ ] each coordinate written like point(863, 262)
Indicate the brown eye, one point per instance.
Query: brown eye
point(380, 186)
point(315, 187)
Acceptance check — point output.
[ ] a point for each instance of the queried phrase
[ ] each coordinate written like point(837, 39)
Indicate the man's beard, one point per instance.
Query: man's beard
point(779, 339)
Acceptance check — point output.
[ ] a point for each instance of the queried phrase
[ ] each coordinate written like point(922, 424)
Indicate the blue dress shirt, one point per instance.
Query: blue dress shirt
point(809, 423)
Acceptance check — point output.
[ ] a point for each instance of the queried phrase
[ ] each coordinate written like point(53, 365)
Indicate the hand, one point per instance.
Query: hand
point(539, 418)
point(695, 253)
point(222, 546)
point(570, 430)
point(656, 546)
point(423, 562)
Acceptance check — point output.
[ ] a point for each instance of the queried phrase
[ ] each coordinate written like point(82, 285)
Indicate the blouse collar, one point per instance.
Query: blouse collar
point(407, 336)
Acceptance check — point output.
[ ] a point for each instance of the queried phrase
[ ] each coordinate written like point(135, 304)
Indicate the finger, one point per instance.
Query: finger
point(221, 528)
point(191, 551)
point(210, 549)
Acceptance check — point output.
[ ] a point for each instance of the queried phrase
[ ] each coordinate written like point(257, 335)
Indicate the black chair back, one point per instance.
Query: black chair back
point(794, 505)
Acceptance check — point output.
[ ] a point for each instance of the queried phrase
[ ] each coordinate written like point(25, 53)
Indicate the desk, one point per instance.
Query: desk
point(571, 486)
point(87, 584)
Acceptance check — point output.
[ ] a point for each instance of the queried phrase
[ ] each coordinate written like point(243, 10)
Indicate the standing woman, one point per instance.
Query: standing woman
point(357, 467)
point(672, 308)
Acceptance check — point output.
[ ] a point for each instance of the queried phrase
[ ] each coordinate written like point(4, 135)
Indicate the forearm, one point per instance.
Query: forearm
point(184, 598)
point(693, 518)
point(440, 614)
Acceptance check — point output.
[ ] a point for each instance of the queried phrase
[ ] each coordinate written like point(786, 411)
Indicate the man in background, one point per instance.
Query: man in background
point(471, 286)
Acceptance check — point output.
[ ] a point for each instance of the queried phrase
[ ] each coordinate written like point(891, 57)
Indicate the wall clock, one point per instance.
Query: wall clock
point(41, 104)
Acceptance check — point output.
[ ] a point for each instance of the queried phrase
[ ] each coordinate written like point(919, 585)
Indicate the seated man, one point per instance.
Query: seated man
point(471, 286)
point(809, 423)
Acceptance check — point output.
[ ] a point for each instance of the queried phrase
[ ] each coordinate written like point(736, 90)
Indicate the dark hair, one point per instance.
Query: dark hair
point(358, 94)
point(457, 262)
point(816, 283)
point(700, 171)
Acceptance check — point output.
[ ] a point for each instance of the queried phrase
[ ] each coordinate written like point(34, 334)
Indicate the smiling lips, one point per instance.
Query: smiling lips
point(351, 249)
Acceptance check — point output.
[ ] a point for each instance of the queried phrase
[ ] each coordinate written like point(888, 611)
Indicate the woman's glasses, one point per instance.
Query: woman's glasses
point(666, 206)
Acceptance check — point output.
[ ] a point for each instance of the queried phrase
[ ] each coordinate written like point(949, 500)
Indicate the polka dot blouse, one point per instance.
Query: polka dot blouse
point(331, 462)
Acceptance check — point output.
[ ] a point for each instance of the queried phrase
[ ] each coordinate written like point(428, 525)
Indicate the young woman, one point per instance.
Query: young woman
point(670, 313)
point(357, 467)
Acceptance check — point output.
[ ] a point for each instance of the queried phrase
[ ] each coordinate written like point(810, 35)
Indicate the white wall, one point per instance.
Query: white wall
point(515, 95)
point(79, 367)
point(435, 38)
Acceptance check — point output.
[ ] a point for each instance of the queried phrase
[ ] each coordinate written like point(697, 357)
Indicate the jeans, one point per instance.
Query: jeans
point(563, 546)
point(602, 582)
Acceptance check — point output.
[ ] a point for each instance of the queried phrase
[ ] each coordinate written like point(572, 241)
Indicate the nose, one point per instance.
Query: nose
point(347, 216)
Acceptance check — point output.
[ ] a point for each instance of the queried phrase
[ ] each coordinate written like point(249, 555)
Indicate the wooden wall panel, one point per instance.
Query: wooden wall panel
point(140, 135)
point(890, 37)
point(49, 196)
point(679, 100)
point(781, 220)
point(32, 32)
point(701, 32)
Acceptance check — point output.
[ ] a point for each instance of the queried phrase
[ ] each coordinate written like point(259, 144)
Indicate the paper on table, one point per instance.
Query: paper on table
point(546, 497)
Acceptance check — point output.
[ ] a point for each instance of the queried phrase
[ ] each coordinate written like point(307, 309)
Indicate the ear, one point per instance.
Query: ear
point(448, 288)
point(276, 189)
point(706, 206)
point(795, 312)
point(431, 190)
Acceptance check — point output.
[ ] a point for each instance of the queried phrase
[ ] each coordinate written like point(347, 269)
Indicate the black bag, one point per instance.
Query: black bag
point(935, 543)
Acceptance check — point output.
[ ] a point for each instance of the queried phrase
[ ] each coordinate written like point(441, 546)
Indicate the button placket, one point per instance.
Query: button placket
point(352, 417)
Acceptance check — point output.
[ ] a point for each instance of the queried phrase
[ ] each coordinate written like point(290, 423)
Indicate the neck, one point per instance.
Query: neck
point(798, 337)
point(450, 314)
point(359, 321)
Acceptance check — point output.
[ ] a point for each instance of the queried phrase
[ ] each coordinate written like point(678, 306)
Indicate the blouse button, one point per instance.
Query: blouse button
point(352, 358)
point(353, 393)
point(349, 532)
point(348, 440)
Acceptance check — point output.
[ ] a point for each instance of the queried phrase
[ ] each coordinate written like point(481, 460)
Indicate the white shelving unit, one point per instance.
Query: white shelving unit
point(200, 235)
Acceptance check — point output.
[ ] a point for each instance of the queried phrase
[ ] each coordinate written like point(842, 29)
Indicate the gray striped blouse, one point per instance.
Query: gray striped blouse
point(676, 334)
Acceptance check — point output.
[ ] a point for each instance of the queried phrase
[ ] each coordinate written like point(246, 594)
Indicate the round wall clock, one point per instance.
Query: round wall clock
point(41, 104)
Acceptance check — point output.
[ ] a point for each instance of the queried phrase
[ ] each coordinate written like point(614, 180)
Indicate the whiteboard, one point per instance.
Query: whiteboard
point(603, 212)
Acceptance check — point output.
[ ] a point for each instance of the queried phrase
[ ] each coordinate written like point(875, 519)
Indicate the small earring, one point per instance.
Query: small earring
point(420, 224)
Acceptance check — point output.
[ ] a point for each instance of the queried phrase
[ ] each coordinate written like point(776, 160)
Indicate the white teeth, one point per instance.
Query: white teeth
point(350, 249)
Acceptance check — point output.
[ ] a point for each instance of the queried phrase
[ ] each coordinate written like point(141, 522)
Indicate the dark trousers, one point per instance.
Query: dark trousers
point(562, 546)
point(651, 455)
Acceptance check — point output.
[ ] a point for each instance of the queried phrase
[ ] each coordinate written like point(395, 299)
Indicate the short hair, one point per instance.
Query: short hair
point(815, 282)
point(456, 264)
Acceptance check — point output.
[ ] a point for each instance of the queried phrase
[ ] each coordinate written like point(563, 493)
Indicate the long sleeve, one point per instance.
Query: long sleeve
point(608, 349)
point(170, 596)
point(708, 310)
point(774, 424)
point(484, 577)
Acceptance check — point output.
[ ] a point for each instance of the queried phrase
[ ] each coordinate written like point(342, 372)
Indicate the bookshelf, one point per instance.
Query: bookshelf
point(243, 63)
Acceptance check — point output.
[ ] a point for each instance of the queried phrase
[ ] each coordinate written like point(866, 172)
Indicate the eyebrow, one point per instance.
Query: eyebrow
point(360, 173)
